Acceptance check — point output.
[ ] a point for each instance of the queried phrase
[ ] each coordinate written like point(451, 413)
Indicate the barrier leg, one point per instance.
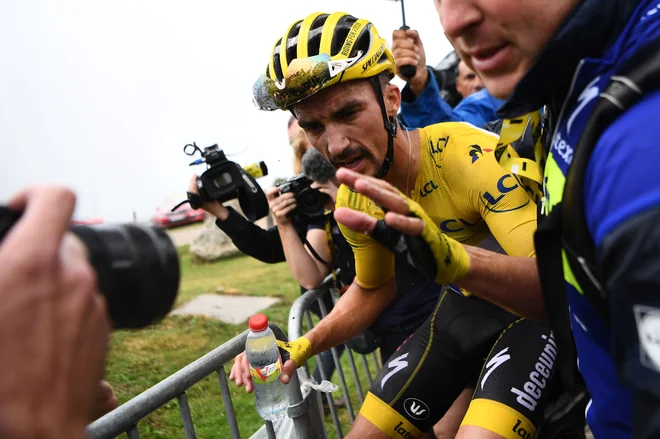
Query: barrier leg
point(186, 417)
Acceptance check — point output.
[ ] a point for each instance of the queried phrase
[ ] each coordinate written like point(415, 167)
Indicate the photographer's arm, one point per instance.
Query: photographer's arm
point(307, 270)
point(263, 245)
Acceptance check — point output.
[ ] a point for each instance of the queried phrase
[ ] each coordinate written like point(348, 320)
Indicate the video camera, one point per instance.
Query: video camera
point(310, 202)
point(445, 76)
point(224, 180)
point(137, 268)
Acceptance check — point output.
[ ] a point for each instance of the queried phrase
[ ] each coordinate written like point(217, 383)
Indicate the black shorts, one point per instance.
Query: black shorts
point(466, 343)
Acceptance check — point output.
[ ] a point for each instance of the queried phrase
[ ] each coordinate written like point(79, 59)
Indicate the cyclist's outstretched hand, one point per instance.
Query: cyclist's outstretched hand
point(405, 215)
point(383, 194)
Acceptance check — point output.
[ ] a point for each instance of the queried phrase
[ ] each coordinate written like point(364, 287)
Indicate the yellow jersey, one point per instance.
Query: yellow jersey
point(464, 190)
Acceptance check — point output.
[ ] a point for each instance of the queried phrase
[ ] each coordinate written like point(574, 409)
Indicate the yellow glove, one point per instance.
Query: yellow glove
point(435, 255)
point(451, 258)
point(299, 350)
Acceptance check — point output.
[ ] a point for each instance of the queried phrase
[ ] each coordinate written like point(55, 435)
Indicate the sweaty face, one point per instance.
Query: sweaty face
point(345, 124)
point(467, 82)
point(500, 39)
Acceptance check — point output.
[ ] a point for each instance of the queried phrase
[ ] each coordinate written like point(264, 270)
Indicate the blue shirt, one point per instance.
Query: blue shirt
point(620, 184)
point(429, 108)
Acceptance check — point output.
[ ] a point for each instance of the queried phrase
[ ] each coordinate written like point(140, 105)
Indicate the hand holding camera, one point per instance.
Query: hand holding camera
point(224, 180)
point(328, 188)
point(53, 321)
point(281, 204)
point(215, 208)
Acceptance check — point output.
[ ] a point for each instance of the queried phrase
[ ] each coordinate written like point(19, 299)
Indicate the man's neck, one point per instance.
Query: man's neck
point(399, 176)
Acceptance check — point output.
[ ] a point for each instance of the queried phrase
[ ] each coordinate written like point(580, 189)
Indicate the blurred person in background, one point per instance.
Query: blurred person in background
point(422, 103)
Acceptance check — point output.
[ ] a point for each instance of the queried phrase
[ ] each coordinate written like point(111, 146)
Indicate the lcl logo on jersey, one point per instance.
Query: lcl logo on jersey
point(436, 148)
point(505, 184)
point(429, 187)
point(416, 408)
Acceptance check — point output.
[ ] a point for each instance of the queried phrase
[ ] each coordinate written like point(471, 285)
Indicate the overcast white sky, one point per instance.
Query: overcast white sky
point(102, 96)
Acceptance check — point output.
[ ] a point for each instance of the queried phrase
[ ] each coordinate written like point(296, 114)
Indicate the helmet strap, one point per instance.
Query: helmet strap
point(390, 127)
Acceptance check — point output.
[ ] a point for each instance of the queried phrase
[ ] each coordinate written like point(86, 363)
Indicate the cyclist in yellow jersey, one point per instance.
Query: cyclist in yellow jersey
point(332, 71)
point(469, 196)
point(463, 189)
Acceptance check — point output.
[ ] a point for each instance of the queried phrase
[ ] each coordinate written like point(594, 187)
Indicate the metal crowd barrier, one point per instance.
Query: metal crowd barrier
point(304, 412)
point(127, 416)
point(301, 309)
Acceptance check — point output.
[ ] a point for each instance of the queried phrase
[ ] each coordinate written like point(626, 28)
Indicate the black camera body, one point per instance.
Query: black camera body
point(445, 74)
point(224, 180)
point(310, 202)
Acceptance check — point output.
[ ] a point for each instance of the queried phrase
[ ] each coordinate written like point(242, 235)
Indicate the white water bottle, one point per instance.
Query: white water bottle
point(265, 367)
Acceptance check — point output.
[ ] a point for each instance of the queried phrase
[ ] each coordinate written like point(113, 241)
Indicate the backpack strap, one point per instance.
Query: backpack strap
point(639, 75)
point(547, 241)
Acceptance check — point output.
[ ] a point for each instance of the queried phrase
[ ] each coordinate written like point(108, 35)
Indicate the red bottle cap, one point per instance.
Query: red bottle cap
point(258, 322)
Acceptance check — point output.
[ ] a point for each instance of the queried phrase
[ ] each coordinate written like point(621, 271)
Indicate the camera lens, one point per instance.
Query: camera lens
point(311, 202)
point(137, 268)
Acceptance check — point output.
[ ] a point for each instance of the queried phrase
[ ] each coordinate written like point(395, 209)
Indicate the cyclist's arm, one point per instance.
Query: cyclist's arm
point(622, 208)
point(373, 289)
point(308, 271)
point(511, 282)
point(356, 310)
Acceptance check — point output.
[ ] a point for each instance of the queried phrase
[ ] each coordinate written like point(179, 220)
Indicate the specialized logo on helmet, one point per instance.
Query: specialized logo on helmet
point(476, 152)
point(436, 148)
point(374, 58)
point(416, 408)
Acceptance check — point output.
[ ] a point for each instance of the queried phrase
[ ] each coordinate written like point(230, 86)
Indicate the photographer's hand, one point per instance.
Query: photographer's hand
point(215, 208)
point(281, 205)
point(408, 50)
point(105, 401)
point(53, 322)
point(328, 188)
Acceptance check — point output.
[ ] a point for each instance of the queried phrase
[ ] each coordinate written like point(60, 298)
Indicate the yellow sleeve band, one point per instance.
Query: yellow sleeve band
point(300, 349)
point(498, 418)
point(388, 420)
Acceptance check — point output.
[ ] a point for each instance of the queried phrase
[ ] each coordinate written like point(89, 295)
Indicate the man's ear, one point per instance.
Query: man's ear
point(392, 96)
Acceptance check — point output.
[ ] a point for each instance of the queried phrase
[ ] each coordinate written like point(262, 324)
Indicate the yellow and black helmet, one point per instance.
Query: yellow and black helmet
point(317, 52)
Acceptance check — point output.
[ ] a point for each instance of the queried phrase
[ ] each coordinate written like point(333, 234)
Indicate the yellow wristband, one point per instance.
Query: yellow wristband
point(300, 349)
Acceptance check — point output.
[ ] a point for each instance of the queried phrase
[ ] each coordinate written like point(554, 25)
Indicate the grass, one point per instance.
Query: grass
point(139, 359)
